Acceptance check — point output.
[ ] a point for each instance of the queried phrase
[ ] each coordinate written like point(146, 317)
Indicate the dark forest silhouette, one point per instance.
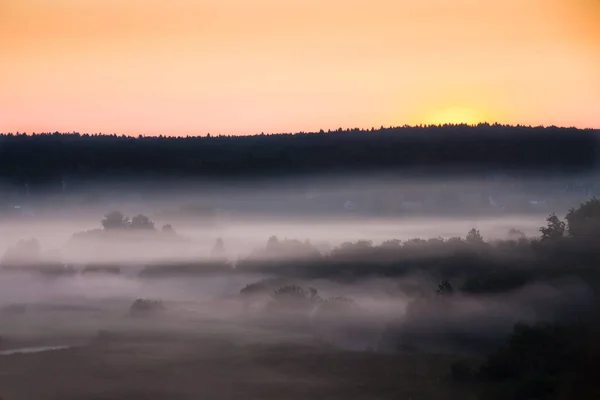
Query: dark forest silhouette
point(51, 156)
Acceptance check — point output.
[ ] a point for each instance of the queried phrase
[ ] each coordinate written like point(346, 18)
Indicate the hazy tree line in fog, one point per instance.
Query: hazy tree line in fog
point(563, 248)
point(49, 157)
point(473, 265)
point(549, 360)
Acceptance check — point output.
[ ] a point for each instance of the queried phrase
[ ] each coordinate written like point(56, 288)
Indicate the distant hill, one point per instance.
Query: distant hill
point(450, 148)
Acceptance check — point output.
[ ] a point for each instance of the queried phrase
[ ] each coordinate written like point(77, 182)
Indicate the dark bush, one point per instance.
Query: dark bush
point(445, 288)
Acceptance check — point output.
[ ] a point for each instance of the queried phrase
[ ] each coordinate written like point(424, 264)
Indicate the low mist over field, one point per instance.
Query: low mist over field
point(327, 211)
point(383, 242)
point(241, 238)
point(260, 278)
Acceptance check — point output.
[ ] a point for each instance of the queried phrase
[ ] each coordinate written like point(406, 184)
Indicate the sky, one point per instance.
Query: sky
point(192, 67)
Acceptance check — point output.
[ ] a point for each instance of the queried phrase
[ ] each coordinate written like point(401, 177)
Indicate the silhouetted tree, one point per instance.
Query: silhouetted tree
point(474, 237)
point(444, 288)
point(115, 220)
point(555, 228)
point(584, 221)
point(142, 222)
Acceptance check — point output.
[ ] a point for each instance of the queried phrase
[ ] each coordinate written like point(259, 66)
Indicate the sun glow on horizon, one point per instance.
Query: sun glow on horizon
point(456, 113)
point(455, 116)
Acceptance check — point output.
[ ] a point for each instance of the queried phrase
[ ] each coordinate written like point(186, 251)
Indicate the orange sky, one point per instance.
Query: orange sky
point(245, 66)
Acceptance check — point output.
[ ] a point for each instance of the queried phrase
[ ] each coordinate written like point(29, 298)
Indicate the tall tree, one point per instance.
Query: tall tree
point(555, 228)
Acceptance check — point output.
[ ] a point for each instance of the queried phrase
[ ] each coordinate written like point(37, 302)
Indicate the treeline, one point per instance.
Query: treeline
point(52, 156)
point(564, 248)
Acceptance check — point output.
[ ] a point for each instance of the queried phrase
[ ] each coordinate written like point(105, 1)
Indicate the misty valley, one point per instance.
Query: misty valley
point(361, 289)
point(299, 200)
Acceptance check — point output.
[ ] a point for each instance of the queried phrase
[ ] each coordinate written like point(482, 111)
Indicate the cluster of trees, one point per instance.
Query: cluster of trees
point(470, 263)
point(453, 258)
point(47, 157)
point(467, 265)
point(298, 303)
point(582, 223)
point(117, 220)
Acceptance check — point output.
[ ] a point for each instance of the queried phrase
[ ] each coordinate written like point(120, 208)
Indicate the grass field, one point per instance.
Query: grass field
point(136, 363)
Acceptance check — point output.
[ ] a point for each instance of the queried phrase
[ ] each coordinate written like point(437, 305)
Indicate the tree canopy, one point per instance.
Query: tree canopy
point(115, 220)
point(584, 221)
point(555, 228)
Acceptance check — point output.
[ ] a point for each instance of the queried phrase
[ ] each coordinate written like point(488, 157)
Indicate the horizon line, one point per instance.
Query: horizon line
point(320, 131)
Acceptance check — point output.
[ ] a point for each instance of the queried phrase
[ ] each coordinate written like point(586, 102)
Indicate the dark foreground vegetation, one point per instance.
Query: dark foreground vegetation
point(46, 158)
point(514, 318)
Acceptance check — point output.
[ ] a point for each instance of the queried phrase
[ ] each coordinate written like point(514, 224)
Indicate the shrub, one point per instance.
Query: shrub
point(146, 306)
